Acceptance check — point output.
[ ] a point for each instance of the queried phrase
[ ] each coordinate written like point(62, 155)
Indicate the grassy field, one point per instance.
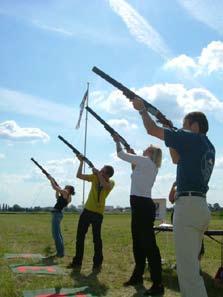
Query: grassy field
point(31, 233)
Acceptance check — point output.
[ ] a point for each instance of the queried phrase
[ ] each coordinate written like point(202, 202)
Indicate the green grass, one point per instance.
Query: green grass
point(31, 233)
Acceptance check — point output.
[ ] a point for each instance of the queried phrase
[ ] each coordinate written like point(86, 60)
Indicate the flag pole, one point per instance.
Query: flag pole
point(85, 143)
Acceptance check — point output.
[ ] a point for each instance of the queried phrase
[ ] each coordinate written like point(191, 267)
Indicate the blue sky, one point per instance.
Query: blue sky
point(169, 52)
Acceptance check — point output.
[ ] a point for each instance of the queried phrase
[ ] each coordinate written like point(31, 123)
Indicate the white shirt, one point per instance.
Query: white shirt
point(144, 174)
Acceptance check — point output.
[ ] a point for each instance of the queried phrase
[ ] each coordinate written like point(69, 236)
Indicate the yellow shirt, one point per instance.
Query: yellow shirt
point(96, 201)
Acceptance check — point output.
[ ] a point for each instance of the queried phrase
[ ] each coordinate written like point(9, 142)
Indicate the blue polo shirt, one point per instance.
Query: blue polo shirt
point(197, 157)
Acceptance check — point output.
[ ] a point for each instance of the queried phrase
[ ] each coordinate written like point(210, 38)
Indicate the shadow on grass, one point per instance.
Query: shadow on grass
point(48, 250)
point(170, 279)
point(140, 290)
point(95, 286)
point(213, 289)
point(51, 260)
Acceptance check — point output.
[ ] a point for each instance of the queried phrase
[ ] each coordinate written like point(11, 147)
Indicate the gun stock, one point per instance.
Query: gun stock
point(75, 151)
point(131, 95)
point(108, 127)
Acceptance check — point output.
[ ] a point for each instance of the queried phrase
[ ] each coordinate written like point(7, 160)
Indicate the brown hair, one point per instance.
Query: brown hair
point(200, 118)
point(70, 189)
point(109, 170)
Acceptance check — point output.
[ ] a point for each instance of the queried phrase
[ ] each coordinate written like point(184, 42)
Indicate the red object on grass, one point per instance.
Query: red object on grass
point(35, 268)
point(61, 295)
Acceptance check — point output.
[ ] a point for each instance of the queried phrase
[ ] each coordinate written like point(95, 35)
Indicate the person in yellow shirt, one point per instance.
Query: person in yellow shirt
point(101, 186)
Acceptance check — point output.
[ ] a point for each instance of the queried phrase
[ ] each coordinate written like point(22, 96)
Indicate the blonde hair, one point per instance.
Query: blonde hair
point(156, 156)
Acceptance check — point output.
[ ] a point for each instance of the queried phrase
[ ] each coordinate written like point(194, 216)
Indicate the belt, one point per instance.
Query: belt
point(56, 210)
point(191, 193)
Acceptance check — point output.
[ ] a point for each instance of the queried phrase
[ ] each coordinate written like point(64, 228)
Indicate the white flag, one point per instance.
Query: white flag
point(82, 108)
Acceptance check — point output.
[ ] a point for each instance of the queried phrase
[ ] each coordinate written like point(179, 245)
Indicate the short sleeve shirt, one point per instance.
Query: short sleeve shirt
point(96, 198)
point(197, 157)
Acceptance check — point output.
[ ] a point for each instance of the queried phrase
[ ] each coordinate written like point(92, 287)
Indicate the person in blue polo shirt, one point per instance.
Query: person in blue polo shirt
point(194, 155)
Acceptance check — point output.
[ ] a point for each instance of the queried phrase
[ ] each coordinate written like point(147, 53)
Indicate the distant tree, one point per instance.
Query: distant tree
point(216, 206)
point(210, 206)
point(16, 207)
point(71, 208)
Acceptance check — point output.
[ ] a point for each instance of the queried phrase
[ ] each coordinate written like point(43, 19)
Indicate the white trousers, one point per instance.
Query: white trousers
point(191, 219)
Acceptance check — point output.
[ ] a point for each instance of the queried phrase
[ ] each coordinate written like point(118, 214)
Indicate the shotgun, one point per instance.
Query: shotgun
point(76, 152)
point(43, 170)
point(131, 95)
point(109, 128)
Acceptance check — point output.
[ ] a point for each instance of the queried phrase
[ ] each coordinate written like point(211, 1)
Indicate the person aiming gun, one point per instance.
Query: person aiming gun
point(131, 95)
point(194, 155)
point(92, 214)
point(143, 213)
point(63, 197)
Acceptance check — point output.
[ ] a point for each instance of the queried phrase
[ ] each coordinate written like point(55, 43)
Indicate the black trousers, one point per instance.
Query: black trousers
point(86, 219)
point(144, 240)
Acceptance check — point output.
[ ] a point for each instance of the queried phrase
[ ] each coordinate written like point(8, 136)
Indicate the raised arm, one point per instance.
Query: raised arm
point(105, 184)
point(131, 151)
point(79, 174)
point(57, 188)
point(174, 155)
point(149, 124)
point(129, 156)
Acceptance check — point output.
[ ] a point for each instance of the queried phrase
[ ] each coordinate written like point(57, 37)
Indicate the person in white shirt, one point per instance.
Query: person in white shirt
point(143, 212)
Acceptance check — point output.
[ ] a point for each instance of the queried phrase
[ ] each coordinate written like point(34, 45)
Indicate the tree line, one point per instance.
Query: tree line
point(4, 207)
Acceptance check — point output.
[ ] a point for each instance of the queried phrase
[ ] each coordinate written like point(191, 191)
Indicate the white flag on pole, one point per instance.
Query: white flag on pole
point(82, 108)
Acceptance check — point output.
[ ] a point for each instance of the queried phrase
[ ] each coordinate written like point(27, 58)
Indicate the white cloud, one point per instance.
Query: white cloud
point(139, 27)
point(200, 99)
point(63, 18)
point(219, 163)
point(62, 162)
point(208, 12)
point(63, 169)
point(25, 104)
point(2, 156)
point(184, 100)
point(114, 157)
point(211, 58)
point(181, 100)
point(121, 123)
point(8, 178)
point(54, 29)
point(10, 130)
point(209, 61)
point(113, 102)
point(169, 177)
point(181, 62)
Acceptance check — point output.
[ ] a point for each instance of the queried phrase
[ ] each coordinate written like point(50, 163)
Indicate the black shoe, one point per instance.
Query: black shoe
point(97, 268)
point(155, 290)
point(74, 266)
point(59, 256)
point(133, 282)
